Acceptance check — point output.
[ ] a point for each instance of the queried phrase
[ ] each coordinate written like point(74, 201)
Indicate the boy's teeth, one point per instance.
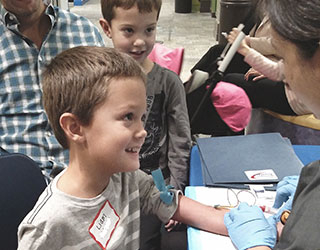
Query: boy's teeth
point(134, 150)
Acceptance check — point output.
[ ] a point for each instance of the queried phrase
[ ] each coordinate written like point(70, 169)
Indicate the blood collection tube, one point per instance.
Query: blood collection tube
point(269, 210)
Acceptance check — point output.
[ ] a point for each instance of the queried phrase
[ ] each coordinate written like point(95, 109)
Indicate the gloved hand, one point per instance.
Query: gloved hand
point(286, 206)
point(285, 189)
point(247, 227)
point(272, 220)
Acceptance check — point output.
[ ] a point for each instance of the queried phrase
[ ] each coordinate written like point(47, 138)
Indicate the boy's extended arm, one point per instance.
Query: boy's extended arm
point(200, 216)
point(205, 217)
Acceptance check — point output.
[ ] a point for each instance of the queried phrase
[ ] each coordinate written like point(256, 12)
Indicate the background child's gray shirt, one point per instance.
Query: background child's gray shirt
point(168, 141)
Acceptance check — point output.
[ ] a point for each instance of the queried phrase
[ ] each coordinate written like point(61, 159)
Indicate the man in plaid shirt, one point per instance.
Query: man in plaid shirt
point(31, 34)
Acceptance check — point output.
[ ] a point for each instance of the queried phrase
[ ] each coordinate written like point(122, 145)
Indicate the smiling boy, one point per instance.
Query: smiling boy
point(95, 101)
point(131, 25)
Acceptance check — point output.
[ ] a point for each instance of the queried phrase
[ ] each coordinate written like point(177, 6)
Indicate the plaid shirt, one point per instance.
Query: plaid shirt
point(24, 126)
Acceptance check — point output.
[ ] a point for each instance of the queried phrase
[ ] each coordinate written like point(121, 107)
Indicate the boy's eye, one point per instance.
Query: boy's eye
point(143, 118)
point(151, 29)
point(128, 117)
point(128, 30)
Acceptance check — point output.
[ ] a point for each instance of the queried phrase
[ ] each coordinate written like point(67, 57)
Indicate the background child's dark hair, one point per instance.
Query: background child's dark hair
point(77, 81)
point(144, 6)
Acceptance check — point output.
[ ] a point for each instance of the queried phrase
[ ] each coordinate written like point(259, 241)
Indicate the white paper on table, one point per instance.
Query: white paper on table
point(201, 240)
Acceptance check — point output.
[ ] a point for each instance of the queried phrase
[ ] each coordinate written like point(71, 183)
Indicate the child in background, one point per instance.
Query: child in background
point(131, 24)
point(95, 99)
point(266, 93)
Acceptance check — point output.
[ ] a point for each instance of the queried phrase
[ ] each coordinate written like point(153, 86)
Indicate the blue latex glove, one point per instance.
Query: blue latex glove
point(286, 206)
point(247, 227)
point(285, 189)
point(272, 220)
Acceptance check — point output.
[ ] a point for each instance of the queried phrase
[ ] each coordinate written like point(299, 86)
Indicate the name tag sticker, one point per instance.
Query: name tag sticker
point(104, 224)
point(266, 174)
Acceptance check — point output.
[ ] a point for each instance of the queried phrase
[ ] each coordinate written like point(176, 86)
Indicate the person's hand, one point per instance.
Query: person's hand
point(171, 225)
point(243, 48)
point(252, 72)
point(286, 206)
point(285, 189)
point(248, 41)
point(233, 35)
point(247, 227)
point(274, 221)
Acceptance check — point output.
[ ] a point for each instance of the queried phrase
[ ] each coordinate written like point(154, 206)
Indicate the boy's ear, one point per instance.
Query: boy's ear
point(105, 26)
point(71, 127)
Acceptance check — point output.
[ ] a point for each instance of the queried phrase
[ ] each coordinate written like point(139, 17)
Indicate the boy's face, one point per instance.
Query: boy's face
point(132, 32)
point(116, 133)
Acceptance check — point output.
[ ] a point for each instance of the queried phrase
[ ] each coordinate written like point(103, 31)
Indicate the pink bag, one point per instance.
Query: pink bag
point(167, 58)
point(232, 104)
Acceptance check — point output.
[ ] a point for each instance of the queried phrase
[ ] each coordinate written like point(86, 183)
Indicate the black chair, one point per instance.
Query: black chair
point(21, 183)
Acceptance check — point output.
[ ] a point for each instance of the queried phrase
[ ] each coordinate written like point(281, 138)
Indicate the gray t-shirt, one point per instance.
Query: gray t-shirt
point(168, 142)
point(108, 221)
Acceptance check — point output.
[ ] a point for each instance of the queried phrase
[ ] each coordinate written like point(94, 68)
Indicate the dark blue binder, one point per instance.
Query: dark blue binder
point(225, 159)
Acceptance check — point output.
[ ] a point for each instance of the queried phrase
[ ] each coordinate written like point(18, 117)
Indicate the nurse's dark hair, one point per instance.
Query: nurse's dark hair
point(297, 21)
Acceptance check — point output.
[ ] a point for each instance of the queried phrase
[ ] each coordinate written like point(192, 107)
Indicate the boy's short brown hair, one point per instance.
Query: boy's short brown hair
point(144, 6)
point(77, 80)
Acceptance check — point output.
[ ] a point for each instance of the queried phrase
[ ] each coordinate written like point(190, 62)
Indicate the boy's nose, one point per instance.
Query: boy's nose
point(139, 42)
point(142, 133)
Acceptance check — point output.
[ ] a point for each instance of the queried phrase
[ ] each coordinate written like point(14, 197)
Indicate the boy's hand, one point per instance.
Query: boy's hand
point(248, 227)
point(171, 225)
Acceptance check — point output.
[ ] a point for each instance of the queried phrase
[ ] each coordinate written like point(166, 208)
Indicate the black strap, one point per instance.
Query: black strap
point(3, 151)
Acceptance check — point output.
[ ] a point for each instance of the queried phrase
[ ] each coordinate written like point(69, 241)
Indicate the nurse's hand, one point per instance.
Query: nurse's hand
point(247, 227)
point(286, 189)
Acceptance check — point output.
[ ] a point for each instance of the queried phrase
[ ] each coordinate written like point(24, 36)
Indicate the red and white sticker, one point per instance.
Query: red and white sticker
point(266, 174)
point(104, 225)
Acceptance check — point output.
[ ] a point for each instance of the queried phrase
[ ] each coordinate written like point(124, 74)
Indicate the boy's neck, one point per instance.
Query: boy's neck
point(147, 65)
point(82, 184)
